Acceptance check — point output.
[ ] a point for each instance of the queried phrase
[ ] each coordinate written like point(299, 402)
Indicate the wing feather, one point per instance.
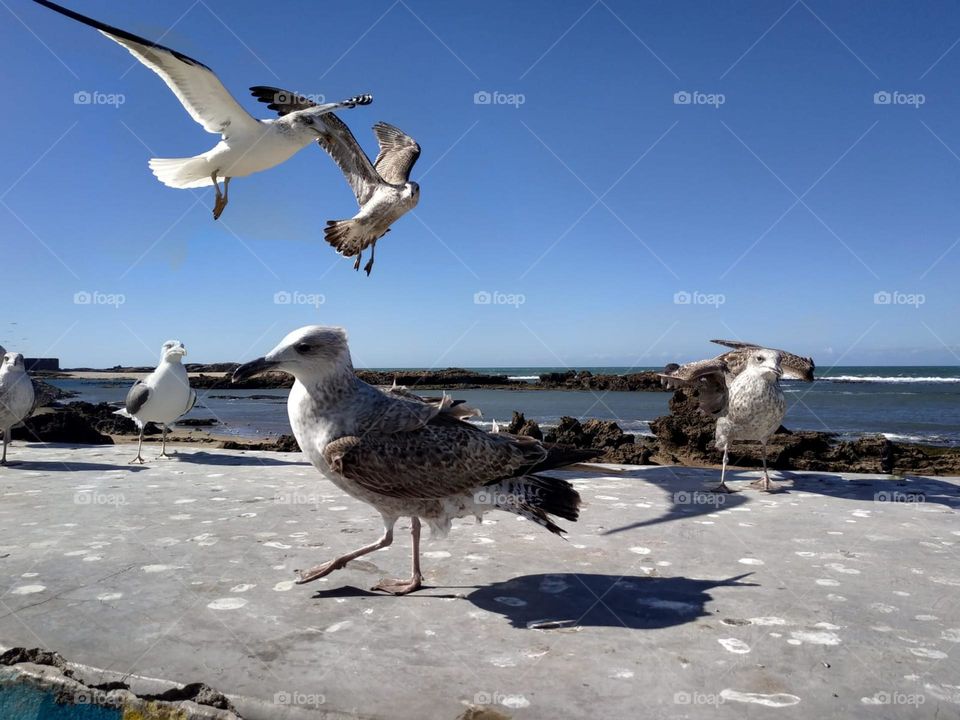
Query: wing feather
point(436, 461)
point(196, 86)
point(136, 397)
point(336, 139)
point(794, 367)
point(398, 153)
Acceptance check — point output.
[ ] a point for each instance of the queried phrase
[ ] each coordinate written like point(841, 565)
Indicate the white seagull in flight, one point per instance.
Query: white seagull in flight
point(382, 188)
point(247, 145)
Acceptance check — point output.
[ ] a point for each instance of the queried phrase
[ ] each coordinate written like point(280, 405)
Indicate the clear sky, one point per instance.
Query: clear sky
point(587, 197)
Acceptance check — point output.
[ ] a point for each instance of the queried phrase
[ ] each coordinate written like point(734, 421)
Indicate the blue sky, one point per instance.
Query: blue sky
point(779, 201)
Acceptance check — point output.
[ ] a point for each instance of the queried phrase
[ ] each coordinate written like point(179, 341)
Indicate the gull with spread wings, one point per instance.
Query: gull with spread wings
point(741, 388)
point(246, 146)
point(382, 188)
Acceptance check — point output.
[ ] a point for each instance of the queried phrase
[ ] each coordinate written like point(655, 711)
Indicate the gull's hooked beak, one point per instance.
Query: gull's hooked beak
point(254, 367)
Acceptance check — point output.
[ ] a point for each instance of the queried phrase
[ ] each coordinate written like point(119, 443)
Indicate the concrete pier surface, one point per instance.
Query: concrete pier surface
point(835, 597)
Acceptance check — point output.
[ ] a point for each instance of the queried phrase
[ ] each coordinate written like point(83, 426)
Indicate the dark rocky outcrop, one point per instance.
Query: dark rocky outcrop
point(433, 379)
point(283, 443)
point(685, 437)
point(63, 425)
point(585, 380)
point(604, 436)
point(519, 425)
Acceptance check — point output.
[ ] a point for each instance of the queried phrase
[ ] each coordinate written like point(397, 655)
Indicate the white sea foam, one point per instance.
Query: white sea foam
point(888, 379)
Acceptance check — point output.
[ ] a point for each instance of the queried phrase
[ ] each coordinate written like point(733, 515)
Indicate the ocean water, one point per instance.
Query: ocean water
point(915, 404)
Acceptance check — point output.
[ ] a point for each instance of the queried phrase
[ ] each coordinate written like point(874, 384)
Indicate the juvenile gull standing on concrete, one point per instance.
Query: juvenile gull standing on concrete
point(382, 188)
point(406, 456)
point(246, 146)
point(17, 396)
point(162, 396)
point(741, 388)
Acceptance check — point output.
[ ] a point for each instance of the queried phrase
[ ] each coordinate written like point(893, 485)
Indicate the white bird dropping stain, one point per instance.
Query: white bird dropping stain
point(929, 653)
point(156, 568)
point(284, 586)
point(436, 554)
point(827, 582)
point(336, 627)
point(28, 589)
point(227, 604)
point(734, 645)
point(750, 561)
point(775, 700)
point(243, 587)
point(815, 638)
point(951, 634)
point(107, 597)
point(640, 550)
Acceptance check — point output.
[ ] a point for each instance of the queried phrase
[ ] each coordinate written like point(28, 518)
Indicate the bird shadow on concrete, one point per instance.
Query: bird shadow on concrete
point(883, 490)
point(572, 600)
point(205, 458)
point(67, 466)
point(686, 490)
point(351, 591)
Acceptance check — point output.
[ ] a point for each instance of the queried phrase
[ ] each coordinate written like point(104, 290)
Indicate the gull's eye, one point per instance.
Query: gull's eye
point(308, 120)
point(760, 358)
point(302, 347)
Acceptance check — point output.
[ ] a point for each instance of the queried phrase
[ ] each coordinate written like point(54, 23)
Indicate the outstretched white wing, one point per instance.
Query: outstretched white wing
point(196, 86)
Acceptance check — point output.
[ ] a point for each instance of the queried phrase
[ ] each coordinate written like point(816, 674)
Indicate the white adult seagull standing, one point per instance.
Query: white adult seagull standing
point(741, 388)
point(247, 145)
point(382, 188)
point(17, 396)
point(162, 396)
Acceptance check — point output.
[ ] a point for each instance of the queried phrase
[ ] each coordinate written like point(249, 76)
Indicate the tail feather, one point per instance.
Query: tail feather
point(536, 498)
point(348, 237)
point(192, 172)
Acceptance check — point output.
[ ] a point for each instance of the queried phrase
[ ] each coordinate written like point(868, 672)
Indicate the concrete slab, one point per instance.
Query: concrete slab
point(835, 598)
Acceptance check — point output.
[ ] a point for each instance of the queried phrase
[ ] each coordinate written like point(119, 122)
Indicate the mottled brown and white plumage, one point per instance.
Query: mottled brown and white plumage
point(741, 388)
point(17, 396)
point(382, 188)
point(408, 456)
